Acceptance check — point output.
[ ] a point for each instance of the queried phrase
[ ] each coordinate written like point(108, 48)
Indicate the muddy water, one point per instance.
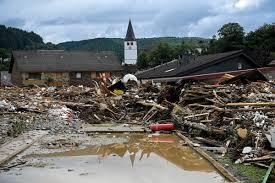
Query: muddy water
point(142, 159)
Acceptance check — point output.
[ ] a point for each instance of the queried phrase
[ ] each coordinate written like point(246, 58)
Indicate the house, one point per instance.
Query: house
point(59, 67)
point(204, 67)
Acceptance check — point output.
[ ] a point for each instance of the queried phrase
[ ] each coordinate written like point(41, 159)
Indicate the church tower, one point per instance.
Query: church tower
point(130, 46)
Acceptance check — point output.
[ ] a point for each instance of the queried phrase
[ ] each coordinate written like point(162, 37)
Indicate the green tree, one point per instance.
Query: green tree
point(231, 37)
point(231, 31)
point(4, 53)
point(164, 52)
point(262, 38)
point(143, 61)
point(13, 38)
point(184, 48)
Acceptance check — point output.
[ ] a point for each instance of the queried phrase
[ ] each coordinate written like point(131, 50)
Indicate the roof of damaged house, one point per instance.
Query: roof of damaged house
point(185, 66)
point(64, 61)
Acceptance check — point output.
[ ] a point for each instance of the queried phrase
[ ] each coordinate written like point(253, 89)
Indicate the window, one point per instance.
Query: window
point(34, 76)
point(170, 70)
point(78, 75)
point(132, 43)
point(128, 43)
point(240, 66)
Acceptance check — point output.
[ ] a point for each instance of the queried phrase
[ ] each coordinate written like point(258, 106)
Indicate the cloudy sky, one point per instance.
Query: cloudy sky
point(66, 20)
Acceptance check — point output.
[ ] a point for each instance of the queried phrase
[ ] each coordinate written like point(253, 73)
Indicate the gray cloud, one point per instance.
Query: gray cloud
point(64, 20)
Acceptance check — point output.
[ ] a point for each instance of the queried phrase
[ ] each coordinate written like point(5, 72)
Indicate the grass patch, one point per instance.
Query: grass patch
point(16, 129)
point(251, 171)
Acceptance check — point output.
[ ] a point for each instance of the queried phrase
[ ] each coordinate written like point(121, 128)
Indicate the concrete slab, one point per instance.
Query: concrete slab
point(19, 144)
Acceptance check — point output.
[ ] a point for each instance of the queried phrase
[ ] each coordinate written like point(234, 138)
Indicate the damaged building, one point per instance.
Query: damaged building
point(62, 68)
point(205, 68)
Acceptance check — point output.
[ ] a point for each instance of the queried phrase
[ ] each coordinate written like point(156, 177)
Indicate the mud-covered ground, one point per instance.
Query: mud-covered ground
point(109, 157)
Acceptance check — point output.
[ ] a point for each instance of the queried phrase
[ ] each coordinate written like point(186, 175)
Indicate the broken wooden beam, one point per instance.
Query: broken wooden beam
point(217, 165)
point(272, 104)
point(196, 115)
point(268, 172)
point(202, 127)
point(152, 104)
point(208, 141)
point(263, 158)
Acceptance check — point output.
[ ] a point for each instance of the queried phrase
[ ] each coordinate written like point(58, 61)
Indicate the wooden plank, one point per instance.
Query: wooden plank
point(250, 104)
point(269, 171)
point(216, 164)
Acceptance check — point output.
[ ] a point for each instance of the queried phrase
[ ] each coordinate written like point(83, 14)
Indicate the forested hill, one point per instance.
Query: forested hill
point(17, 39)
point(116, 44)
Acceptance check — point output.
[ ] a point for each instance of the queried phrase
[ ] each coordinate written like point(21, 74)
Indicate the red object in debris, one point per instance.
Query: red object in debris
point(159, 127)
point(216, 85)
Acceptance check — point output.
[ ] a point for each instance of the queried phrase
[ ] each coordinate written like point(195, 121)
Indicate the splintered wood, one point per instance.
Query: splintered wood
point(237, 116)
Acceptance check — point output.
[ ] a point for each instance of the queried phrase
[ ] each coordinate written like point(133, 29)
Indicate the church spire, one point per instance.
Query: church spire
point(130, 36)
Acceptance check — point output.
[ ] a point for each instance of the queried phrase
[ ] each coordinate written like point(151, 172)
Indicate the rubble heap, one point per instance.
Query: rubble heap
point(234, 118)
point(238, 119)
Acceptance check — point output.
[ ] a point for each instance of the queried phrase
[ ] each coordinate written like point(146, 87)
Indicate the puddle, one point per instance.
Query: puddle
point(143, 159)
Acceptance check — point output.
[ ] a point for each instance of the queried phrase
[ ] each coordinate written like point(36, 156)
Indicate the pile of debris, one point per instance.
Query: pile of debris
point(239, 119)
point(234, 118)
point(23, 109)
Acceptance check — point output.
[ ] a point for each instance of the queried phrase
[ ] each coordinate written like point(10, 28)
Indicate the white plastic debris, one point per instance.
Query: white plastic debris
point(271, 137)
point(238, 161)
point(129, 77)
point(247, 150)
point(259, 119)
point(5, 105)
point(52, 88)
point(62, 113)
point(126, 125)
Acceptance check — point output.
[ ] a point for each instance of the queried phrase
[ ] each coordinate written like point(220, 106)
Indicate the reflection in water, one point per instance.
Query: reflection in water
point(141, 146)
point(143, 159)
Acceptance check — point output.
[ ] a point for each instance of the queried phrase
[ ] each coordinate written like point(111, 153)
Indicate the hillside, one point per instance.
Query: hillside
point(13, 38)
point(17, 39)
point(116, 44)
